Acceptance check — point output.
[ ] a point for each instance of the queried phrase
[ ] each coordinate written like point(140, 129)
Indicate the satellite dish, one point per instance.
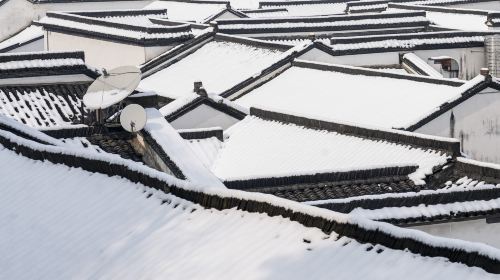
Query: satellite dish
point(133, 118)
point(112, 87)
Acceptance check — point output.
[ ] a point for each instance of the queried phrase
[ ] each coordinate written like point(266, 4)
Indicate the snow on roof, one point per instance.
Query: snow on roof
point(206, 150)
point(41, 60)
point(218, 64)
point(313, 9)
point(266, 12)
point(280, 150)
point(177, 150)
point(392, 42)
point(115, 27)
point(139, 17)
point(467, 22)
point(27, 35)
point(188, 11)
point(379, 100)
point(114, 228)
point(322, 23)
point(430, 212)
point(43, 106)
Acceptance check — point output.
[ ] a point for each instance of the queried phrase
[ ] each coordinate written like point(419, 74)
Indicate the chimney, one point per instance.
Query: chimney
point(311, 37)
point(197, 85)
point(484, 71)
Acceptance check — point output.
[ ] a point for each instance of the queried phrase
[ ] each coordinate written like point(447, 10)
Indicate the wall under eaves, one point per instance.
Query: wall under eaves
point(102, 53)
point(471, 60)
point(477, 126)
point(15, 15)
point(472, 230)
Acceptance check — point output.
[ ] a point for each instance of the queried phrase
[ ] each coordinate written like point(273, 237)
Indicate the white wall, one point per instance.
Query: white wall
point(318, 55)
point(35, 46)
point(491, 6)
point(474, 230)
point(471, 60)
point(15, 15)
point(478, 120)
point(204, 117)
point(98, 53)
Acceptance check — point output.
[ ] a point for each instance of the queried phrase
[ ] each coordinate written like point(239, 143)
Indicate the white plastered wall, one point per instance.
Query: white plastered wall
point(204, 116)
point(477, 125)
point(473, 230)
point(101, 53)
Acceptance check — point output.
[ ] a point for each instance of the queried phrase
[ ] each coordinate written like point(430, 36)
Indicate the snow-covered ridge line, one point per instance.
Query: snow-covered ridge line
point(43, 55)
point(469, 253)
point(322, 176)
point(97, 26)
point(464, 185)
point(402, 214)
point(450, 145)
point(11, 125)
point(375, 72)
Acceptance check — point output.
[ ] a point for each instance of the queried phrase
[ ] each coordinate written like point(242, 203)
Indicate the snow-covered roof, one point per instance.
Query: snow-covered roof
point(323, 24)
point(43, 106)
point(162, 221)
point(287, 150)
point(266, 12)
point(112, 227)
point(177, 150)
point(459, 19)
point(43, 89)
point(220, 64)
point(41, 64)
point(196, 11)
point(400, 42)
point(307, 8)
point(26, 36)
point(125, 26)
point(351, 94)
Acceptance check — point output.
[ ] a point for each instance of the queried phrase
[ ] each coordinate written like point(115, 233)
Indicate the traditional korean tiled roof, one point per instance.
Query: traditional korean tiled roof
point(307, 8)
point(198, 11)
point(351, 94)
point(19, 65)
point(460, 19)
point(44, 90)
point(407, 42)
point(77, 186)
point(266, 12)
point(43, 106)
point(125, 26)
point(219, 62)
point(323, 24)
point(291, 149)
point(468, 190)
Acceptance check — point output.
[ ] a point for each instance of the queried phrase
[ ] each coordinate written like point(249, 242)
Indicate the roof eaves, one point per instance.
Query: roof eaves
point(344, 176)
point(363, 230)
point(175, 54)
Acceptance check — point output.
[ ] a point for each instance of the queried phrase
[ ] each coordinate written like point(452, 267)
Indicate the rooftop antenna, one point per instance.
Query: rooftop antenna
point(133, 118)
point(111, 87)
